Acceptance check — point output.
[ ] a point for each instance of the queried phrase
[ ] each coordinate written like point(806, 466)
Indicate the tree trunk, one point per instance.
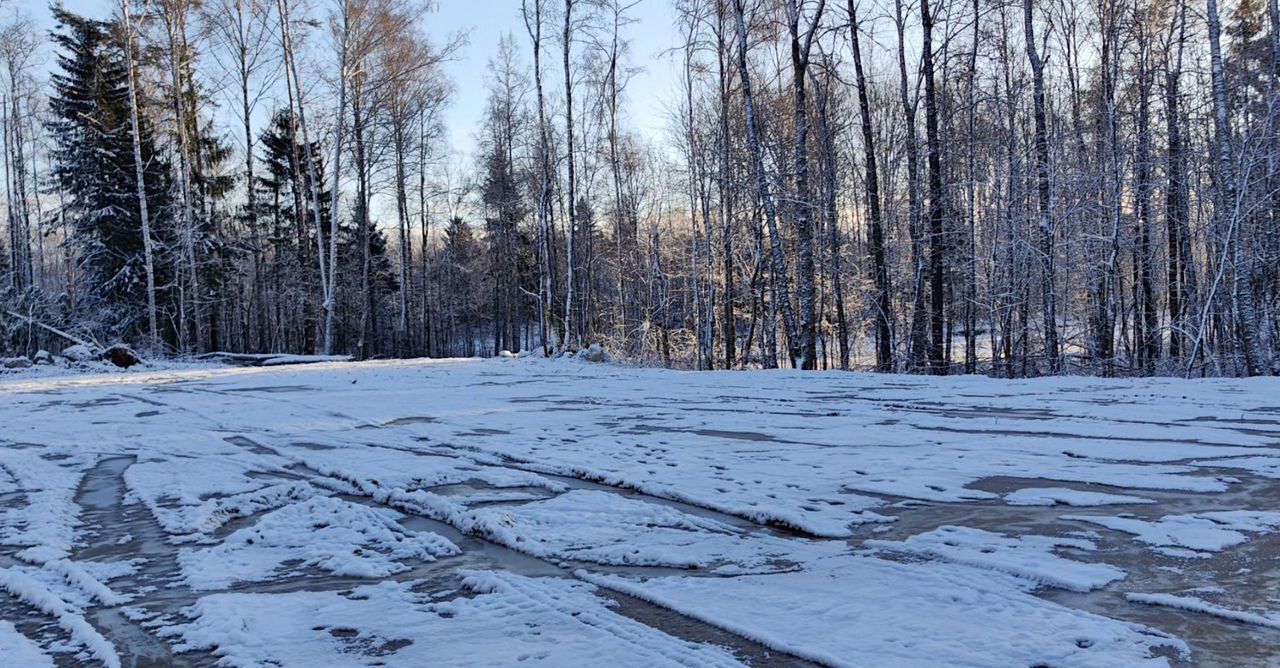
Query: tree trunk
point(1048, 261)
point(1227, 206)
point(782, 290)
point(139, 172)
point(879, 267)
point(804, 354)
point(937, 203)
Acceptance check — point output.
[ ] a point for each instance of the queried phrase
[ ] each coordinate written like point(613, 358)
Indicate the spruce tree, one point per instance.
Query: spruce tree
point(93, 165)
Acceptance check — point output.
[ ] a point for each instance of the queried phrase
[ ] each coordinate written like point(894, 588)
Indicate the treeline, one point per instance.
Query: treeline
point(942, 186)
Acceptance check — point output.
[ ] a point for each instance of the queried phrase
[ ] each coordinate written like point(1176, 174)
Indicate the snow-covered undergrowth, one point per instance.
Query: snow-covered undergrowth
point(481, 512)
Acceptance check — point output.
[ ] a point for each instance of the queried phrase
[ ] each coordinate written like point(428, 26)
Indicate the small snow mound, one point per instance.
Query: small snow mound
point(79, 353)
point(594, 353)
point(19, 362)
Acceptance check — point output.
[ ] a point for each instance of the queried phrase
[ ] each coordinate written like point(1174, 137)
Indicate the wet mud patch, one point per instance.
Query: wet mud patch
point(1245, 578)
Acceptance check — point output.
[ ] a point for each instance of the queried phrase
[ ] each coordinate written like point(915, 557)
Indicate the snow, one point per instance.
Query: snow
point(77, 575)
point(184, 503)
point(46, 523)
point(1029, 557)
point(605, 528)
point(1189, 535)
point(522, 621)
point(283, 360)
point(1263, 466)
point(901, 615)
point(79, 353)
point(380, 467)
point(483, 512)
point(18, 650)
point(33, 592)
point(1193, 604)
point(210, 514)
point(1052, 496)
point(332, 535)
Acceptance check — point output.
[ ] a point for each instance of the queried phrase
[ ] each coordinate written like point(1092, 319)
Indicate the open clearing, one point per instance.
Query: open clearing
point(494, 512)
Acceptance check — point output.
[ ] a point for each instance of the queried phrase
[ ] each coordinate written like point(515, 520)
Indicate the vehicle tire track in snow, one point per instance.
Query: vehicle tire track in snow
point(661, 618)
point(494, 555)
point(123, 532)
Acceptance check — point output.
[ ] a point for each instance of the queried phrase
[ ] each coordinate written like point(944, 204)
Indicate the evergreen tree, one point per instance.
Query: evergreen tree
point(504, 200)
point(285, 231)
point(93, 164)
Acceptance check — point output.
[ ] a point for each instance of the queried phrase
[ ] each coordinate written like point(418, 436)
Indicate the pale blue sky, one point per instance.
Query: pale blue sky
point(649, 93)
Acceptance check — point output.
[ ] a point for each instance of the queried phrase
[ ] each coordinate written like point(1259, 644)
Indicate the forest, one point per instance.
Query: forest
point(1004, 187)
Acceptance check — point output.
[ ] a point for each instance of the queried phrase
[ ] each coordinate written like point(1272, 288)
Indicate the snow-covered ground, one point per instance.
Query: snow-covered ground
point(520, 511)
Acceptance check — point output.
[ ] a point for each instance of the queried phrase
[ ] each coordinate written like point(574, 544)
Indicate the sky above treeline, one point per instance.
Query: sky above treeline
point(650, 93)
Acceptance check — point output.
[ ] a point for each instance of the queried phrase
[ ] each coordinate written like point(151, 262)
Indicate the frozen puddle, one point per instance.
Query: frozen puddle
point(514, 512)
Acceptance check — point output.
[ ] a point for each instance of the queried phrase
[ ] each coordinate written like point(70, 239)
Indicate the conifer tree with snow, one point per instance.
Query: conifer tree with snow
point(93, 165)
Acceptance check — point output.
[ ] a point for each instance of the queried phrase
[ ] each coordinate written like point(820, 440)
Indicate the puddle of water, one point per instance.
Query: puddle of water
point(482, 431)
point(274, 476)
point(477, 494)
point(712, 433)
point(1215, 642)
point(400, 422)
